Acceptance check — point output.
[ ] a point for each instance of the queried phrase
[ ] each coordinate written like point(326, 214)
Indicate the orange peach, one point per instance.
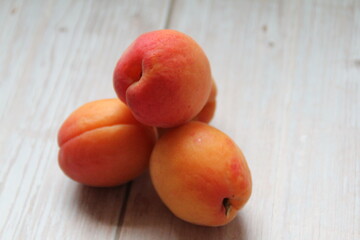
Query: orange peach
point(208, 111)
point(206, 114)
point(102, 144)
point(200, 174)
point(164, 77)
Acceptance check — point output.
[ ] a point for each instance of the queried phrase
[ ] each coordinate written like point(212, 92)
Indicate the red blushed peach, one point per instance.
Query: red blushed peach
point(101, 144)
point(164, 77)
point(200, 174)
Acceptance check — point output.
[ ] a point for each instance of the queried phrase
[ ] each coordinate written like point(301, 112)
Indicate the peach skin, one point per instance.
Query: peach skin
point(164, 77)
point(206, 114)
point(200, 174)
point(208, 111)
point(102, 144)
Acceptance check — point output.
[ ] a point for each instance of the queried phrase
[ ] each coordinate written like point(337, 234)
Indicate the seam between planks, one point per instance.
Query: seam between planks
point(169, 14)
point(123, 211)
point(123, 208)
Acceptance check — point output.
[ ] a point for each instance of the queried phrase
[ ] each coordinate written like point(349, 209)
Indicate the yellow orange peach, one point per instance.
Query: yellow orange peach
point(102, 144)
point(200, 174)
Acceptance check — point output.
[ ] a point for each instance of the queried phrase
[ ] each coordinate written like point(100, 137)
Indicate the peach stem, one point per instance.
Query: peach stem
point(227, 205)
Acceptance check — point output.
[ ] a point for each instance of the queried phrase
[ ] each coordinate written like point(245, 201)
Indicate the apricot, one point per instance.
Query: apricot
point(102, 144)
point(200, 174)
point(208, 111)
point(206, 114)
point(164, 77)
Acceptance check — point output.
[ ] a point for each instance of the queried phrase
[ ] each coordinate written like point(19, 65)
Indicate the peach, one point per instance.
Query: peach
point(164, 77)
point(200, 174)
point(208, 111)
point(102, 144)
point(206, 114)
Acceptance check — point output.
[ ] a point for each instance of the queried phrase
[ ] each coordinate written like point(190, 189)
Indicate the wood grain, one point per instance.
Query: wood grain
point(56, 56)
point(289, 94)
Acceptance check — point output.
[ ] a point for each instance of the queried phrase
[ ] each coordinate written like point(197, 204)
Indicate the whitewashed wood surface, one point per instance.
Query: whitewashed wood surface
point(288, 75)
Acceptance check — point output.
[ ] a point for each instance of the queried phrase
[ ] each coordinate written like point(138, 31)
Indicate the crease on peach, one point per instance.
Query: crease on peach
point(94, 129)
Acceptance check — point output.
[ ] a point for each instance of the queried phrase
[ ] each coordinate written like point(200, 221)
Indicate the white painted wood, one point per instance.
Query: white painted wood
point(54, 57)
point(288, 76)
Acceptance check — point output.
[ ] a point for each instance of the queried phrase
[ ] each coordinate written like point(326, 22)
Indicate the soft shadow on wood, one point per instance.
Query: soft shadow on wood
point(102, 205)
point(233, 230)
point(146, 214)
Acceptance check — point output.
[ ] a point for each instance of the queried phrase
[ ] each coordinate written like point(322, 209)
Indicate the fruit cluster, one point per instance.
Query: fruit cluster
point(167, 98)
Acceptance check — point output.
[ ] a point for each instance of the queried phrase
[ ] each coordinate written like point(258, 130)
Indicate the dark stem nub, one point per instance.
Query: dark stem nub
point(227, 205)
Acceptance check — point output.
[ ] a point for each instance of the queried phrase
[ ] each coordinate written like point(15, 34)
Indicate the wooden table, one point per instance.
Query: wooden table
point(288, 75)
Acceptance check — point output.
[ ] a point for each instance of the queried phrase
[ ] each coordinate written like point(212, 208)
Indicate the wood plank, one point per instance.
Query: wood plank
point(289, 93)
point(54, 57)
